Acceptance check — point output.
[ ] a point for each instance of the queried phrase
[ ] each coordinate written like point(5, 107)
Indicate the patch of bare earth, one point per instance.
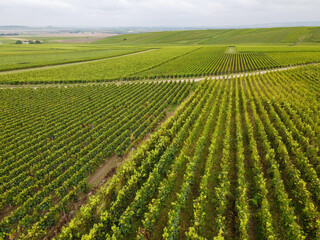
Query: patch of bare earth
point(88, 39)
point(79, 34)
point(104, 168)
point(6, 211)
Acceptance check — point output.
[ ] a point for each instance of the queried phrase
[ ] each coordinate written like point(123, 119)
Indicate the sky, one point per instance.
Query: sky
point(169, 13)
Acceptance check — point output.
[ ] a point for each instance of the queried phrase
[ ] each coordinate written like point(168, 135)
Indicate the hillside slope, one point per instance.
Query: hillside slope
point(286, 35)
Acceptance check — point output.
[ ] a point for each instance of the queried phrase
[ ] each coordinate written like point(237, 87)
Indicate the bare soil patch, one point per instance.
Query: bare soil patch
point(78, 34)
point(103, 169)
point(6, 211)
point(80, 40)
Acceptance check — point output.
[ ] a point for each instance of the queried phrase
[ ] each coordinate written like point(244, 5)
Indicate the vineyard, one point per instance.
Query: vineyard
point(52, 139)
point(286, 35)
point(238, 160)
point(162, 135)
point(168, 62)
point(212, 61)
point(14, 57)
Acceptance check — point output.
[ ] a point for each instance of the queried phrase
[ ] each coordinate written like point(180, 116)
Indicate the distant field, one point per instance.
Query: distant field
point(25, 56)
point(109, 69)
point(4, 40)
point(224, 36)
point(255, 49)
point(57, 37)
point(164, 62)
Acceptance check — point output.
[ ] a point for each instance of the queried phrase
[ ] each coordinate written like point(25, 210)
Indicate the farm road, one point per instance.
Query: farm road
point(140, 81)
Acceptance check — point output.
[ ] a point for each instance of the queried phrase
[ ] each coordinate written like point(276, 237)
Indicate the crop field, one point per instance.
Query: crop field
point(59, 136)
point(104, 70)
point(213, 61)
point(205, 134)
point(242, 162)
point(18, 57)
point(166, 62)
point(221, 36)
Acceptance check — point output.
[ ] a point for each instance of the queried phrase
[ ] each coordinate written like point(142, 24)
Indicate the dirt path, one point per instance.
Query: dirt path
point(154, 81)
point(255, 72)
point(71, 63)
point(104, 168)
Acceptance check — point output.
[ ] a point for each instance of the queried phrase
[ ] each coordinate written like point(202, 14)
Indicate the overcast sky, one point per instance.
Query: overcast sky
point(175, 13)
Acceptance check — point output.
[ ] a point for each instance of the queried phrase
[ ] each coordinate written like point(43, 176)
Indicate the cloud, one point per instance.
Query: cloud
point(155, 13)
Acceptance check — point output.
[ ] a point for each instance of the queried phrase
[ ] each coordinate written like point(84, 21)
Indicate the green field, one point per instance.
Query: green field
point(162, 62)
point(243, 150)
point(205, 134)
point(60, 145)
point(172, 54)
point(224, 36)
point(15, 56)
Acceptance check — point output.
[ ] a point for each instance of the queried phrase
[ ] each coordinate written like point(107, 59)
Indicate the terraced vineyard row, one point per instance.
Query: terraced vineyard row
point(53, 139)
point(294, 58)
point(238, 160)
point(167, 62)
point(211, 61)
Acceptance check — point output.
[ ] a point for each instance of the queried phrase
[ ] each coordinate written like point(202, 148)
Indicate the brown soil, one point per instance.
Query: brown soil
point(82, 37)
point(104, 168)
point(80, 34)
point(6, 211)
point(87, 38)
point(78, 40)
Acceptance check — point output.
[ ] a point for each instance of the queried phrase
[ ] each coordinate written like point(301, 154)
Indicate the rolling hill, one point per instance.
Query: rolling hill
point(285, 35)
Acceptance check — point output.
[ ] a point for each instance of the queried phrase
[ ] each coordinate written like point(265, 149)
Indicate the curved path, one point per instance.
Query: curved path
point(256, 72)
point(35, 86)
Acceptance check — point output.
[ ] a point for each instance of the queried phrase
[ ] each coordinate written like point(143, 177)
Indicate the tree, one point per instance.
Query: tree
point(19, 42)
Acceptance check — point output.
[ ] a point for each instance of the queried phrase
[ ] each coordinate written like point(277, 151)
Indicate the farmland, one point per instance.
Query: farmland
point(18, 57)
point(221, 36)
point(159, 136)
point(243, 151)
point(167, 62)
point(58, 146)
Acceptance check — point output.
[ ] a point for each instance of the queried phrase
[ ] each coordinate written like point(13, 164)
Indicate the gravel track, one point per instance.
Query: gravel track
point(160, 80)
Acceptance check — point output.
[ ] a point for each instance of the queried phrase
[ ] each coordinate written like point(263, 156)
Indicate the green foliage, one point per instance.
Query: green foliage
point(170, 62)
point(121, 68)
point(26, 56)
point(268, 112)
point(221, 36)
point(239, 159)
point(46, 160)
